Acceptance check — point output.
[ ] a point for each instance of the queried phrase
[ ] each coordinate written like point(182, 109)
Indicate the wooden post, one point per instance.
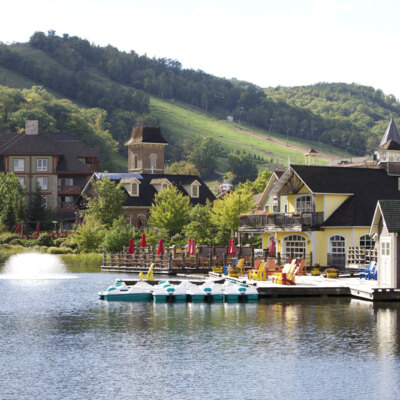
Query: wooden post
point(311, 258)
point(119, 259)
point(224, 259)
point(210, 259)
point(169, 260)
point(252, 257)
point(144, 260)
point(135, 259)
point(279, 258)
point(153, 255)
point(196, 262)
point(104, 258)
point(183, 260)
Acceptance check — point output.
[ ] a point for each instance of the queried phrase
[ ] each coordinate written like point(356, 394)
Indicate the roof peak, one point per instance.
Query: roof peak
point(391, 133)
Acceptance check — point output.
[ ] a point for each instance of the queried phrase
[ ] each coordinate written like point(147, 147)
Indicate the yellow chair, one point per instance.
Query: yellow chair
point(285, 270)
point(260, 274)
point(240, 265)
point(149, 276)
point(286, 277)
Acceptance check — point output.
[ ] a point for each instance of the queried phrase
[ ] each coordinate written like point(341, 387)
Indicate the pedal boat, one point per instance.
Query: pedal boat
point(142, 291)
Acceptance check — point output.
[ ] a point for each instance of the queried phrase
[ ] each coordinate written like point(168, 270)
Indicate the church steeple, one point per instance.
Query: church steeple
point(391, 133)
point(146, 150)
point(388, 152)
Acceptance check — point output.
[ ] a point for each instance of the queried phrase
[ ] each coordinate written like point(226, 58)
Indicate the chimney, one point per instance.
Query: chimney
point(31, 127)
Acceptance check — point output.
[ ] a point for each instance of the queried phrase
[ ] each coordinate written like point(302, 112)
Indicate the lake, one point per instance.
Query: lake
point(58, 341)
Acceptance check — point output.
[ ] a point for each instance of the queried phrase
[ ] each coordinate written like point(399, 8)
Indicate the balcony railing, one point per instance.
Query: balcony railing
point(263, 222)
point(67, 205)
point(70, 189)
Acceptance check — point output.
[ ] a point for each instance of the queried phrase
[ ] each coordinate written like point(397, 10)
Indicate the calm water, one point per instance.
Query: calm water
point(58, 341)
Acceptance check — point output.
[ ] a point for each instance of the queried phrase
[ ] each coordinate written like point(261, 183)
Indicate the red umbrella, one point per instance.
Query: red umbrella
point(131, 248)
point(160, 249)
point(193, 249)
point(143, 241)
point(232, 247)
point(17, 228)
point(272, 246)
point(38, 229)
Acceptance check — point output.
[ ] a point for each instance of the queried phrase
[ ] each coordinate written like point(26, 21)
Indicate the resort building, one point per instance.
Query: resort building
point(146, 177)
point(318, 212)
point(58, 162)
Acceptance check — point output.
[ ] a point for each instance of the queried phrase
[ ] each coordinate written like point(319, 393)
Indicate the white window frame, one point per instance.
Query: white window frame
point(366, 241)
point(135, 161)
point(385, 248)
point(196, 186)
point(18, 168)
point(42, 164)
point(332, 244)
point(43, 186)
point(294, 248)
point(135, 193)
point(301, 205)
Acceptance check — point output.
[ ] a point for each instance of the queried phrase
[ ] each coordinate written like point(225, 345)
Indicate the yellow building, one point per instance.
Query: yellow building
point(321, 211)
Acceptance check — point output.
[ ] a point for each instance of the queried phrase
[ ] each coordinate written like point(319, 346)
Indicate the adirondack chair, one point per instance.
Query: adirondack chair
point(373, 273)
point(256, 265)
point(302, 267)
point(149, 276)
point(272, 267)
point(365, 273)
point(287, 275)
point(259, 274)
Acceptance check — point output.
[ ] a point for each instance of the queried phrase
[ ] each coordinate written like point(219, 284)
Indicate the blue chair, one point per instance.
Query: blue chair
point(366, 273)
point(373, 274)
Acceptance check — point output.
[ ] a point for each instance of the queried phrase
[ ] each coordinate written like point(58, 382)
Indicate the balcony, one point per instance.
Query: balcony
point(64, 205)
point(259, 223)
point(70, 189)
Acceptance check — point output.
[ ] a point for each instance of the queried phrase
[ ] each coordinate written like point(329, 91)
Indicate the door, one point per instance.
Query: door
point(384, 267)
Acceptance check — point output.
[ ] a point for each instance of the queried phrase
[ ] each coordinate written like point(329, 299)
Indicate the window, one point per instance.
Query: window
point(68, 199)
point(135, 189)
point(304, 204)
point(21, 180)
point(367, 242)
point(65, 182)
point(195, 190)
point(385, 248)
point(153, 162)
point(294, 246)
point(41, 165)
point(135, 161)
point(19, 165)
point(164, 186)
point(42, 181)
point(337, 244)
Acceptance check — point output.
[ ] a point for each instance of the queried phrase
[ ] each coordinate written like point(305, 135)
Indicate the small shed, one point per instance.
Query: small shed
point(385, 228)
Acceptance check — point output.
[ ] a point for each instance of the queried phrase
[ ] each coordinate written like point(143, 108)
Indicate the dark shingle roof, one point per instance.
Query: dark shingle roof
point(365, 186)
point(146, 134)
point(389, 145)
point(147, 191)
point(391, 214)
point(28, 144)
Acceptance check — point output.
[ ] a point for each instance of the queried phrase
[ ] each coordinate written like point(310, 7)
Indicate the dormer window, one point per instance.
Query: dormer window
point(195, 189)
point(164, 186)
point(135, 189)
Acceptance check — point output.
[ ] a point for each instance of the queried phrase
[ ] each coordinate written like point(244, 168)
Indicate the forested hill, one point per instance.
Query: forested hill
point(350, 117)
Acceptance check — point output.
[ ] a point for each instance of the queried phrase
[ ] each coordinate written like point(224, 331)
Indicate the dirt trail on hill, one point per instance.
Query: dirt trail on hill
point(297, 147)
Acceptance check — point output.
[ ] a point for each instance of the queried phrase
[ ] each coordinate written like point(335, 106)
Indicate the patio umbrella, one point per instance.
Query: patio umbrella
point(189, 247)
point(131, 248)
point(143, 242)
point(38, 229)
point(17, 228)
point(160, 249)
point(193, 249)
point(232, 247)
point(272, 249)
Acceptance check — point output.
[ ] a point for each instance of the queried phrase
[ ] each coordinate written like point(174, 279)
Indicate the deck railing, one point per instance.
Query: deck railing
point(262, 221)
point(70, 189)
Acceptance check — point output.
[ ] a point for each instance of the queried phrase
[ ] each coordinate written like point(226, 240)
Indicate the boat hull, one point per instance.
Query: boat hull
point(126, 297)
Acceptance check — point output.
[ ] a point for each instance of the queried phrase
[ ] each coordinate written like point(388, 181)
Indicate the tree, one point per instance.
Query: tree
point(201, 226)
point(90, 234)
point(37, 210)
point(170, 211)
point(243, 167)
point(106, 204)
point(182, 168)
point(226, 211)
point(12, 204)
point(118, 236)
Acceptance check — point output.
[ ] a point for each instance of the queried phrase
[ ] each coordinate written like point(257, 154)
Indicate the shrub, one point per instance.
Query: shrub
point(118, 236)
point(45, 240)
point(6, 237)
point(59, 250)
point(59, 242)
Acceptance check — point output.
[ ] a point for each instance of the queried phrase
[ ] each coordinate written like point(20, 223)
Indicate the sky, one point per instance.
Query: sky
point(266, 42)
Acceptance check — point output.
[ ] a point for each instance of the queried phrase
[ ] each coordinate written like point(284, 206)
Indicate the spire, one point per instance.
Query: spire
point(391, 133)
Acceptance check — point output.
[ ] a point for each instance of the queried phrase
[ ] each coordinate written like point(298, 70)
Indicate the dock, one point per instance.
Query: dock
point(306, 286)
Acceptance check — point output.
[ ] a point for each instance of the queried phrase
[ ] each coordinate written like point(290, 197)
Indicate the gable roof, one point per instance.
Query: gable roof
point(389, 145)
point(391, 133)
point(390, 210)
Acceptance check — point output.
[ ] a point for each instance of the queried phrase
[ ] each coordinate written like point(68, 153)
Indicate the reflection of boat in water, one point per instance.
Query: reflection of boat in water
point(234, 292)
point(164, 292)
point(142, 291)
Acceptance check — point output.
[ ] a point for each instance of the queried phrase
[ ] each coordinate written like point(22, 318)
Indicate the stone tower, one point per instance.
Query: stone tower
point(146, 150)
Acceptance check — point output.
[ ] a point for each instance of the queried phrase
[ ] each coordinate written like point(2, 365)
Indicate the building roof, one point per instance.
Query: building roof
point(64, 145)
point(311, 151)
point(389, 145)
point(391, 133)
point(391, 214)
point(364, 187)
point(147, 191)
point(146, 134)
